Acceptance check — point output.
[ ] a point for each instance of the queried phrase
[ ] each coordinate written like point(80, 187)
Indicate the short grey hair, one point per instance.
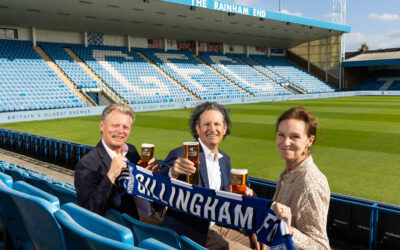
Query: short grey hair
point(119, 107)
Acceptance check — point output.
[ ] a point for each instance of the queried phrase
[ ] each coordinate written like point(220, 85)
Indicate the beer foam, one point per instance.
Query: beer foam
point(191, 143)
point(239, 171)
point(147, 145)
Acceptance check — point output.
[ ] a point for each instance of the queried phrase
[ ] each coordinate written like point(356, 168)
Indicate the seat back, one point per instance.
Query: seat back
point(16, 173)
point(84, 229)
point(12, 219)
point(65, 195)
point(6, 179)
point(188, 244)
point(37, 214)
point(115, 216)
point(143, 231)
point(151, 243)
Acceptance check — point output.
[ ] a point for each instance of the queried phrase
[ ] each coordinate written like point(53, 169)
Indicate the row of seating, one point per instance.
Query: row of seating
point(60, 152)
point(130, 75)
point(27, 83)
point(242, 74)
point(292, 73)
point(22, 70)
point(35, 208)
point(376, 81)
point(193, 74)
point(69, 65)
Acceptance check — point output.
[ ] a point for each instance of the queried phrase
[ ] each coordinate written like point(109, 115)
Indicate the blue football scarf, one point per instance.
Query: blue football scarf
point(232, 210)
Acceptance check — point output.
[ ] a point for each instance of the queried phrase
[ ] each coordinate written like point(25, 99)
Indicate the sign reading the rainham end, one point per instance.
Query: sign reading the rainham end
point(238, 9)
point(222, 6)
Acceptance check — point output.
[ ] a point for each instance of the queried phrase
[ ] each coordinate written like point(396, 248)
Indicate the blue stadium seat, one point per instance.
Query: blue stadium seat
point(15, 235)
point(86, 230)
point(64, 194)
point(151, 243)
point(115, 216)
point(6, 179)
point(27, 215)
point(143, 231)
point(188, 244)
point(17, 174)
point(37, 210)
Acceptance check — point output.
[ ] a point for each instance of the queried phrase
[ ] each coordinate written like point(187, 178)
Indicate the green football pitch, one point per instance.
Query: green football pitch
point(358, 147)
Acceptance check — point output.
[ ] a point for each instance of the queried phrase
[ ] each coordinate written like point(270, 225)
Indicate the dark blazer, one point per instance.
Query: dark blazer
point(190, 226)
point(94, 190)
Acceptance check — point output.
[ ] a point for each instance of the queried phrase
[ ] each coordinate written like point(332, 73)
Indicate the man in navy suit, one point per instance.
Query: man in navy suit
point(209, 124)
point(97, 172)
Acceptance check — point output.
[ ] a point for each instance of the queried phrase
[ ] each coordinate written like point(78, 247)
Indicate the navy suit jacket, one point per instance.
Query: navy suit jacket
point(94, 189)
point(191, 226)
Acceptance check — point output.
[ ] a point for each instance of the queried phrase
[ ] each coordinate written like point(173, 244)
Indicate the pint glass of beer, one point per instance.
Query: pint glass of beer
point(239, 180)
point(147, 152)
point(191, 151)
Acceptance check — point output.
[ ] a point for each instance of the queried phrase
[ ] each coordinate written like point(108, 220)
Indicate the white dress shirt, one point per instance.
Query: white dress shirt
point(213, 168)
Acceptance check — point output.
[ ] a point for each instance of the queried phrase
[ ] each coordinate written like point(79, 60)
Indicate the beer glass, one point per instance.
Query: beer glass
point(191, 151)
point(239, 180)
point(147, 152)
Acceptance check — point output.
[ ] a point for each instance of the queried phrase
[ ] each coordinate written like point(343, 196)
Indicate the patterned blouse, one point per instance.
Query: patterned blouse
point(306, 191)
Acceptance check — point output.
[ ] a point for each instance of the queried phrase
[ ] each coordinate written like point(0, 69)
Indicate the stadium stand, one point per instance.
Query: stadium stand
point(27, 83)
point(243, 75)
point(69, 65)
point(194, 75)
point(140, 76)
point(295, 75)
point(395, 86)
point(130, 75)
point(380, 80)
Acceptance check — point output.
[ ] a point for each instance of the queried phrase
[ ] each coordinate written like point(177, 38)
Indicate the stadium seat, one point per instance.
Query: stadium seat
point(143, 231)
point(151, 243)
point(64, 194)
point(37, 210)
point(188, 244)
point(86, 230)
point(17, 174)
point(6, 179)
point(18, 204)
point(115, 216)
